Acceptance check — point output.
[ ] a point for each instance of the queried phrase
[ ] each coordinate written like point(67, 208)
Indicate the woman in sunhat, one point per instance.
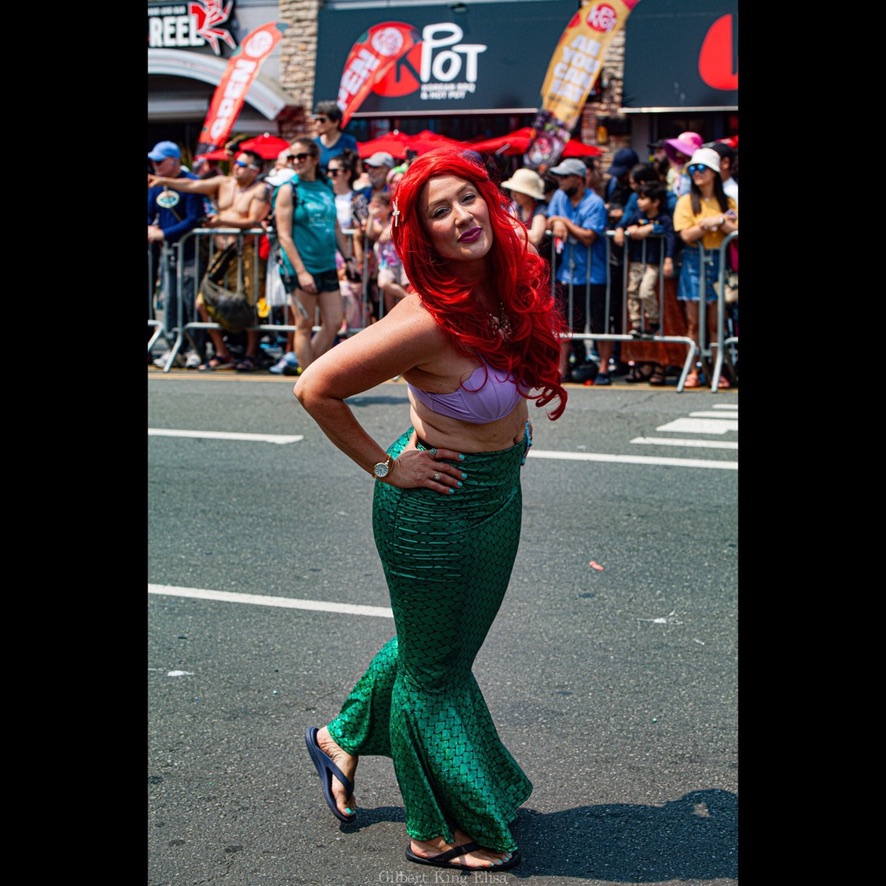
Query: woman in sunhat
point(678, 151)
point(703, 217)
point(529, 206)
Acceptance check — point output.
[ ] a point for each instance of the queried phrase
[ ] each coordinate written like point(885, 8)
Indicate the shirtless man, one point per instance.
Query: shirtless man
point(242, 202)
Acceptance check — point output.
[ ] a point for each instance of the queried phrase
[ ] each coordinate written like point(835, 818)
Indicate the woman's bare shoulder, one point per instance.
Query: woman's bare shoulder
point(411, 310)
point(407, 332)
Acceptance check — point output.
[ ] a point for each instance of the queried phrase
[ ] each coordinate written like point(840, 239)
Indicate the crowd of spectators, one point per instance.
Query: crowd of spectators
point(632, 228)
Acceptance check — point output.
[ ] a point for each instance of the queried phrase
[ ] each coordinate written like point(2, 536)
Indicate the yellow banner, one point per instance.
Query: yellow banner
point(572, 72)
point(578, 59)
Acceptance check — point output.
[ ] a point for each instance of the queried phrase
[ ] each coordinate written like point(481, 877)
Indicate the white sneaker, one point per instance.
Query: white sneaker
point(161, 361)
point(287, 361)
point(192, 360)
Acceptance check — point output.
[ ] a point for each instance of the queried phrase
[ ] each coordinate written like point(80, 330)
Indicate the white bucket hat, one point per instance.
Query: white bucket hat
point(707, 157)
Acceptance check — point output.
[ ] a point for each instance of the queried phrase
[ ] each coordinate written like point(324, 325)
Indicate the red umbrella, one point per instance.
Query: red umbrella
point(394, 143)
point(517, 142)
point(427, 140)
point(217, 154)
point(575, 148)
point(267, 146)
point(397, 143)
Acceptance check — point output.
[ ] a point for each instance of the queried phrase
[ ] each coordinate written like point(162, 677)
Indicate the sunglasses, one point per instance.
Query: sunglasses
point(697, 167)
point(300, 157)
point(321, 119)
point(336, 172)
point(242, 164)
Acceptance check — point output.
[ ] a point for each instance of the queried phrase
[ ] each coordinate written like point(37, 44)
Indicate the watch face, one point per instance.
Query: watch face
point(381, 470)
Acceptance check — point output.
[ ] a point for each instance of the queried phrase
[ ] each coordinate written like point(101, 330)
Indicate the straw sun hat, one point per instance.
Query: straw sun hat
point(525, 181)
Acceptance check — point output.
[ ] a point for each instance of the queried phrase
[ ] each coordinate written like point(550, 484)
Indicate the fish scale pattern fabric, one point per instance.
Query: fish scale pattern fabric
point(447, 561)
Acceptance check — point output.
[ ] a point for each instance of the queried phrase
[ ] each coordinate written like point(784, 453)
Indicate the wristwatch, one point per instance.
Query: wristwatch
point(383, 468)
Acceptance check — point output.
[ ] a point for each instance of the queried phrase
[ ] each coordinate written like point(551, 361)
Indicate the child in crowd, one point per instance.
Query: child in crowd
point(648, 257)
point(392, 280)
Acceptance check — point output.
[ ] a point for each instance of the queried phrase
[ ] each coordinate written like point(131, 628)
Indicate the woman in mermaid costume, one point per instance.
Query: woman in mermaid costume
point(477, 338)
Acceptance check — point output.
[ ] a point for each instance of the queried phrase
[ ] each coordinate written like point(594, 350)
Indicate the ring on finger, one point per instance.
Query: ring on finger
point(433, 453)
point(436, 475)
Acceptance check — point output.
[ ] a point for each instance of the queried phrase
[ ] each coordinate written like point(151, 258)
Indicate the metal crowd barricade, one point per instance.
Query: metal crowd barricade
point(179, 330)
point(163, 266)
point(366, 304)
point(568, 250)
point(722, 353)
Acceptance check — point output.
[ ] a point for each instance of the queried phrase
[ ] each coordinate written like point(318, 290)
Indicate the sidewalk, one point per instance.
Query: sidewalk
point(620, 374)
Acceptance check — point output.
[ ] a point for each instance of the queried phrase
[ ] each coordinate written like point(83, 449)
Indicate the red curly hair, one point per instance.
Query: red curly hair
point(531, 350)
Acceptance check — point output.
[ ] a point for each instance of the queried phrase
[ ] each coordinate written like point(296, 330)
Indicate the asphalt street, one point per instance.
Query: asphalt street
point(611, 671)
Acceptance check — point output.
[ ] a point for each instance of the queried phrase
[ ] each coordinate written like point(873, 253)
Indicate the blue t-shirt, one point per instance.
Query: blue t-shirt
point(591, 215)
point(345, 143)
point(176, 213)
point(313, 227)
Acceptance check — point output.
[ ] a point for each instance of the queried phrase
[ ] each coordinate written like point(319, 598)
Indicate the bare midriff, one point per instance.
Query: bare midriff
point(451, 433)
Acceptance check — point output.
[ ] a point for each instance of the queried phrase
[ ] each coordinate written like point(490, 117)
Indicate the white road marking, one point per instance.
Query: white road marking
point(636, 459)
point(720, 416)
point(263, 600)
point(226, 435)
point(700, 426)
point(680, 441)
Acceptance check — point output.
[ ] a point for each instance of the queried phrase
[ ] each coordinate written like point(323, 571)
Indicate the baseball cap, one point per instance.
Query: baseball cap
point(623, 162)
point(162, 150)
point(569, 167)
point(379, 158)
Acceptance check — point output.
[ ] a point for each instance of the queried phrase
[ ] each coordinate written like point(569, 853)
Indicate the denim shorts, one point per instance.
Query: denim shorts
point(689, 284)
point(326, 281)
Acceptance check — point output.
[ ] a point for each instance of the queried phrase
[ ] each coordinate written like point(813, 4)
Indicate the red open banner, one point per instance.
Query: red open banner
point(371, 57)
point(572, 72)
point(242, 69)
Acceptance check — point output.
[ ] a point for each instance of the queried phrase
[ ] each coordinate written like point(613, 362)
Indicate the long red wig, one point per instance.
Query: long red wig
point(520, 278)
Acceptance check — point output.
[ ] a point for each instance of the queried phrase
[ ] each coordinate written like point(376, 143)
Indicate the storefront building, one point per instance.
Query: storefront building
point(476, 70)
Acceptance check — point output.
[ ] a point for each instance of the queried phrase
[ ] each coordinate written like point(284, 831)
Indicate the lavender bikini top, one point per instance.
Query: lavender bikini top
point(488, 395)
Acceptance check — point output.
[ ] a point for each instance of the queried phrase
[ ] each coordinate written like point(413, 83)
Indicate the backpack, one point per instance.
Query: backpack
point(229, 308)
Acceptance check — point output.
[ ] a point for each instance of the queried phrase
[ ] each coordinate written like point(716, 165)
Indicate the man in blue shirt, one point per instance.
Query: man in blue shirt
point(171, 215)
point(577, 218)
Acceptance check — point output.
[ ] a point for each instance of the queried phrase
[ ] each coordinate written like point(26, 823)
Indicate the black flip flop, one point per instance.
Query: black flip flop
point(326, 769)
point(444, 859)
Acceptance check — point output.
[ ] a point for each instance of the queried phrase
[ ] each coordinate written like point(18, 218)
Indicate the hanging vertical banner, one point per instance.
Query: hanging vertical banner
point(572, 72)
point(242, 69)
point(371, 57)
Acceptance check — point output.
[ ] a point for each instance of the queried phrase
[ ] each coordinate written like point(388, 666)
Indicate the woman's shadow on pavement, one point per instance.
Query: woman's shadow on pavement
point(693, 838)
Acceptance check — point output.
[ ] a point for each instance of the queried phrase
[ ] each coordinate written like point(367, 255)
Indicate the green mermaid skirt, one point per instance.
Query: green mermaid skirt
point(447, 561)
